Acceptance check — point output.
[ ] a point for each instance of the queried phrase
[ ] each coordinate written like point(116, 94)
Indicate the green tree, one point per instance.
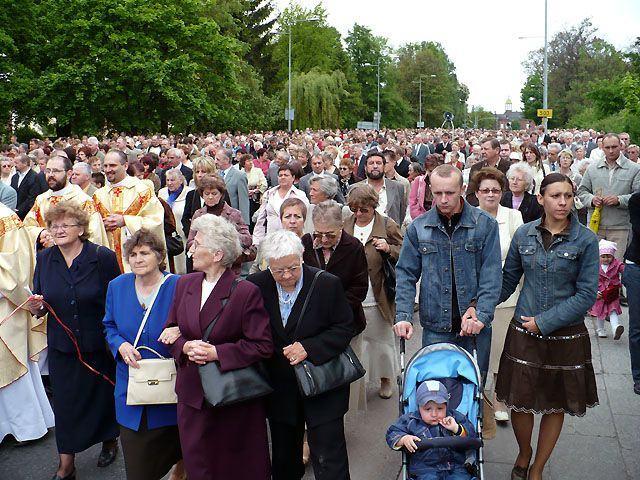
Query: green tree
point(479, 117)
point(20, 39)
point(366, 51)
point(576, 57)
point(441, 90)
point(136, 67)
point(258, 21)
point(318, 98)
point(531, 96)
point(315, 44)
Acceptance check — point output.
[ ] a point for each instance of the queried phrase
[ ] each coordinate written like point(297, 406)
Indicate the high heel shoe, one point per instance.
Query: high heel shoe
point(71, 476)
point(521, 473)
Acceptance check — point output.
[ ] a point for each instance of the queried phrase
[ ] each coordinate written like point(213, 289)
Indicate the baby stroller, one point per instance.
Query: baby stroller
point(458, 370)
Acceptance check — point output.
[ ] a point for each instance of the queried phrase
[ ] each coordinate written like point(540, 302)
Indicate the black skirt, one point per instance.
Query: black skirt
point(547, 374)
point(150, 454)
point(83, 402)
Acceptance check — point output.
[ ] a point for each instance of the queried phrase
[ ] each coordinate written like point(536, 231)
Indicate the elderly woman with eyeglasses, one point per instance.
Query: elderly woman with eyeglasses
point(229, 441)
point(381, 238)
point(520, 178)
point(332, 249)
point(490, 184)
point(72, 276)
point(319, 335)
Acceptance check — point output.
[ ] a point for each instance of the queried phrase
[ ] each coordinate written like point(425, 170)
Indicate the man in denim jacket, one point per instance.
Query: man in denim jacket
point(455, 249)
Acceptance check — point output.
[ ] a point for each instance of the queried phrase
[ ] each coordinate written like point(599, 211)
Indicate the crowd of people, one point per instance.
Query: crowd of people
point(277, 252)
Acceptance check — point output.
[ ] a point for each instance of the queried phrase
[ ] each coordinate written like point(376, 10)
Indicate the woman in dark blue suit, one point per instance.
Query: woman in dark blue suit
point(149, 433)
point(72, 277)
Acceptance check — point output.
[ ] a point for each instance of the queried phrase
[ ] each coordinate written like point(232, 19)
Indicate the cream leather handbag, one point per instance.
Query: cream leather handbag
point(154, 382)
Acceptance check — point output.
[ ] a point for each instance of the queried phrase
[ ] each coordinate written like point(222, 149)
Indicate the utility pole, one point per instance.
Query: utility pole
point(293, 22)
point(419, 82)
point(545, 68)
point(289, 85)
point(376, 116)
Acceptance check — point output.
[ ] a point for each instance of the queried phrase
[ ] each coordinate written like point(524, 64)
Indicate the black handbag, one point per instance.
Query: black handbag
point(175, 246)
point(389, 272)
point(234, 386)
point(337, 372)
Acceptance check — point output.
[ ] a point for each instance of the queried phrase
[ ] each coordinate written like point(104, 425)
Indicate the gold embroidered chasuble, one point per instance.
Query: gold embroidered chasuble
point(136, 201)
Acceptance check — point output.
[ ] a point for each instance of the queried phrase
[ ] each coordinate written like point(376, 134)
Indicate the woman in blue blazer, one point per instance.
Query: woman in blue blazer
point(149, 433)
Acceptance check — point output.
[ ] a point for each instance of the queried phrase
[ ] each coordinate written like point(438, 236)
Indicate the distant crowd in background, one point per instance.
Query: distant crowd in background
point(443, 222)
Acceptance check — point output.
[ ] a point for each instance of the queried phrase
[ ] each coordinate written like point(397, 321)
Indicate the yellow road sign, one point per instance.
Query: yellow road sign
point(545, 112)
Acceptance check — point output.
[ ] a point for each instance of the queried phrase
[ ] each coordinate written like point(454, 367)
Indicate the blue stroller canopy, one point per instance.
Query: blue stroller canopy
point(444, 361)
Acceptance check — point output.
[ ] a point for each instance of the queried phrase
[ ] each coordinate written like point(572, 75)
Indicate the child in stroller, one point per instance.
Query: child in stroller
point(433, 420)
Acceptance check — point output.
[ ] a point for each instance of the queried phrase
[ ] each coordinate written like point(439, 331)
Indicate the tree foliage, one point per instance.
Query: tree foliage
point(318, 98)
point(441, 90)
point(481, 118)
point(576, 57)
point(90, 66)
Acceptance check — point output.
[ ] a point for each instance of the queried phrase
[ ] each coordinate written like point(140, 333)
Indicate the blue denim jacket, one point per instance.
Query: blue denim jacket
point(426, 252)
point(560, 284)
point(433, 458)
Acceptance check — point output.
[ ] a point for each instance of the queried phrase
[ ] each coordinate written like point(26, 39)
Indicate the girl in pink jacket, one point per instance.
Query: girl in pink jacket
point(608, 298)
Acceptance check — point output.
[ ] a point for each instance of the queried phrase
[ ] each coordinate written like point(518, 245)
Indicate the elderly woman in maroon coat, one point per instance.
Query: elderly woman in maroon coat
point(221, 442)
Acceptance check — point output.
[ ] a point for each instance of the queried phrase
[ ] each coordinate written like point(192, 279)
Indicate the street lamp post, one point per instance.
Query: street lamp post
point(293, 22)
point(377, 115)
point(545, 68)
point(545, 63)
point(419, 82)
point(289, 86)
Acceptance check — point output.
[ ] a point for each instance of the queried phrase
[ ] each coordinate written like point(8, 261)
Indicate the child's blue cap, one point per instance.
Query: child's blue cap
point(432, 390)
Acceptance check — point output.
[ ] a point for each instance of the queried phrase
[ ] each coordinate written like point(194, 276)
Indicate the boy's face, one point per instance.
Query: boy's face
point(606, 259)
point(432, 412)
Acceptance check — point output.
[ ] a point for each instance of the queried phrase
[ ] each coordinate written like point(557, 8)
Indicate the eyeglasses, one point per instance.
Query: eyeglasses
point(364, 210)
point(55, 171)
point(327, 235)
point(64, 226)
point(344, 168)
point(279, 272)
point(487, 191)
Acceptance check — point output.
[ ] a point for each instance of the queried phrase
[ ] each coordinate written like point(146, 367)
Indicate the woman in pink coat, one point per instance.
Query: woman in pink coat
point(420, 197)
point(608, 298)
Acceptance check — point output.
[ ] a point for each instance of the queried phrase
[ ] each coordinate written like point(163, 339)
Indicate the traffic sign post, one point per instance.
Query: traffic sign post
point(420, 124)
point(545, 113)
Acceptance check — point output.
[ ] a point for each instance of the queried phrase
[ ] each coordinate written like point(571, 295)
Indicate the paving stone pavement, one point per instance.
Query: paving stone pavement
point(604, 444)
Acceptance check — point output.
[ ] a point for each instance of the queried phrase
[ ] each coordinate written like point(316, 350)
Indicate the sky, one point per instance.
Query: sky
point(481, 37)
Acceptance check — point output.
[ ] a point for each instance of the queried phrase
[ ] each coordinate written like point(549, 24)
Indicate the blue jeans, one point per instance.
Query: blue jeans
point(631, 280)
point(483, 345)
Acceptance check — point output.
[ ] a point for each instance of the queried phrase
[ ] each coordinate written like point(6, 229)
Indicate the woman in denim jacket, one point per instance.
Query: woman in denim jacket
point(546, 366)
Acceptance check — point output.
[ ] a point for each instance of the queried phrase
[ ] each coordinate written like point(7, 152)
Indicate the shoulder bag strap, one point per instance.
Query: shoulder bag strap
point(148, 311)
point(315, 251)
point(209, 328)
point(306, 302)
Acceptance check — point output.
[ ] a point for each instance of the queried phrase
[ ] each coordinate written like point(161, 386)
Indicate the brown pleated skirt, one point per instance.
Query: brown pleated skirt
point(150, 454)
point(547, 374)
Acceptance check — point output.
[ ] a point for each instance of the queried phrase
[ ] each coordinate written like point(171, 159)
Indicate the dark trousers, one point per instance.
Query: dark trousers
point(327, 445)
point(631, 280)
